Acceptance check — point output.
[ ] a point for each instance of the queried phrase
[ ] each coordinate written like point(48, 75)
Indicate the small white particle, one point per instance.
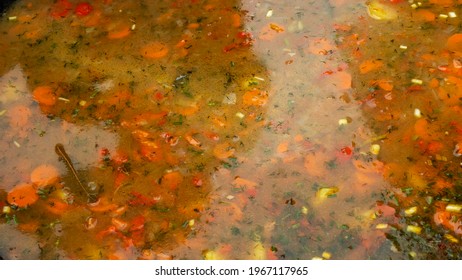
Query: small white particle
point(417, 113)
point(269, 13)
point(452, 14)
point(403, 47)
point(443, 16)
point(16, 144)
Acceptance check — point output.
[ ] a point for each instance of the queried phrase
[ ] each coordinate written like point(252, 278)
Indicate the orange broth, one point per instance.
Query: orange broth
point(206, 129)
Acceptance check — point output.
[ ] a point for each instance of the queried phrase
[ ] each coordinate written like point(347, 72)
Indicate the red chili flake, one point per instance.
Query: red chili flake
point(346, 151)
point(83, 9)
point(396, 1)
point(290, 61)
point(328, 72)
point(434, 147)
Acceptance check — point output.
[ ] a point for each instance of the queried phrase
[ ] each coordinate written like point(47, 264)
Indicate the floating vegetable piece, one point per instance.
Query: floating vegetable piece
point(380, 11)
point(255, 98)
point(23, 195)
point(172, 180)
point(154, 50)
point(43, 175)
point(454, 43)
point(44, 95)
point(370, 65)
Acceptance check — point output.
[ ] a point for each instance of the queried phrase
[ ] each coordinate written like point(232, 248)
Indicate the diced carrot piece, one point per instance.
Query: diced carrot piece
point(172, 180)
point(454, 42)
point(434, 83)
point(154, 50)
point(93, 19)
point(43, 175)
point(255, 98)
point(119, 33)
point(342, 80)
point(57, 206)
point(370, 65)
point(236, 18)
point(23, 195)
point(385, 85)
point(30, 227)
point(283, 147)
point(425, 15)
point(193, 25)
point(44, 95)
point(421, 128)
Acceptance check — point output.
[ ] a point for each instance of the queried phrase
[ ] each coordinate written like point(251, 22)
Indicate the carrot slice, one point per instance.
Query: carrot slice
point(44, 95)
point(23, 195)
point(43, 175)
point(454, 42)
point(56, 206)
point(154, 50)
point(255, 98)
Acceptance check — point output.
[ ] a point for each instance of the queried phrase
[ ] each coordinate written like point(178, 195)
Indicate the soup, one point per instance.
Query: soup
point(229, 130)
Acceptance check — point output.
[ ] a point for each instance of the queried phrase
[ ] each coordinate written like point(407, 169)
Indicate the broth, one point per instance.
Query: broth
point(229, 130)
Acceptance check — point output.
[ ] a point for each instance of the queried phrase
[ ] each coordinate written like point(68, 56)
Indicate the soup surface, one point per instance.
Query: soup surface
point(225, 129)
